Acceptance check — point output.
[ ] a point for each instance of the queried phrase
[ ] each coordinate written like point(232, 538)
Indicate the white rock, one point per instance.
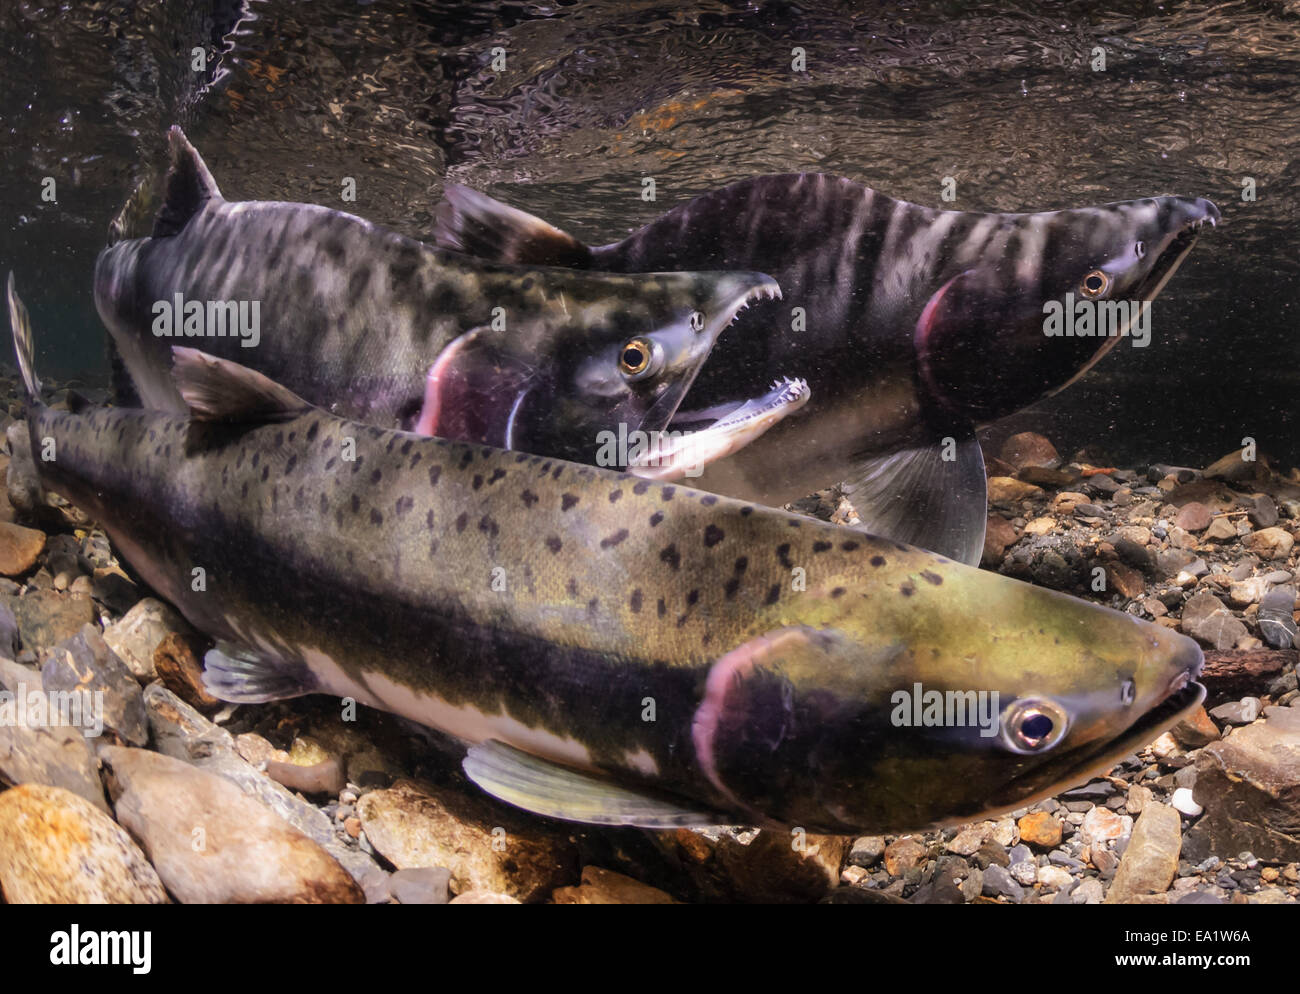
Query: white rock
point(1184, 802)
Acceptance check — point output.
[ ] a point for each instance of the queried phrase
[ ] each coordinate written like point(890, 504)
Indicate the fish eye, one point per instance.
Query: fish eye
point(1140, 249)
point(1094, 284)
point(1033, 724)
point(1128, 693)
point(640, 358)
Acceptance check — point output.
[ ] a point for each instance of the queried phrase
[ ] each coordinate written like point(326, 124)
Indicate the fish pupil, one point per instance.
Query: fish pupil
point(1036, 727)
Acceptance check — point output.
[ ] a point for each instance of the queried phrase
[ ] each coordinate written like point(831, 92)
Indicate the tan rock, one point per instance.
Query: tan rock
point(998, 534)
point(607, 887)
point(1270, 543)
point(1067, 500)
point(1030, 449)
point(486, 846)
point(1007, 489)
point(138, 633)
point(1125, 581)
point(903, 854)
point(1041, 526)
point(1151, 857)
point(1221, 530)
point(1196, 730)
point(177, 663)
point(58, 848)
point(19, 548)
point(212, 843)
point(1038, 828)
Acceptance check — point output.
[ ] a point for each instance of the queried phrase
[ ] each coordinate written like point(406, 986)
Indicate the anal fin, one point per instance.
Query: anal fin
point(239, 675)
point(919, 497)
point(554, 791)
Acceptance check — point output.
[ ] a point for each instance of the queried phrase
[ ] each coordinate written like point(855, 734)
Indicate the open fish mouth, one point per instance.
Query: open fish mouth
point(695, 439)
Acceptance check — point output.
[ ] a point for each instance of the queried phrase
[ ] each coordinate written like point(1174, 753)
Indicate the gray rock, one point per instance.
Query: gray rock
point(1171, 561)
point(423, 885)
point(45, 618)
point(1089, 891)
point(1024, 872)
point(1241, 712)
point(1208, 621)
point(1262, 512)
point(1277, 627)
point(867, 850)
point(998, 882)
point(85, 663)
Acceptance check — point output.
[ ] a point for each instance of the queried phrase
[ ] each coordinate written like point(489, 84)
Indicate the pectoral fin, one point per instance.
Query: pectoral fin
point(554, 791)
point(474, 390)
point(933, 495)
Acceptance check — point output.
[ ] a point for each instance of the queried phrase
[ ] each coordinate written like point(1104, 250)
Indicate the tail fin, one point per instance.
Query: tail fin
point(24, 347)
point(475, 224)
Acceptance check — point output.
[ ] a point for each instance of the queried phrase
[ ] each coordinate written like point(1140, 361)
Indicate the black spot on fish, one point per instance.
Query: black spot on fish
point(489, 526)
point(713, 535)
point(529, 498)
point(929, 577)
point(667, 493)
point(837, 592)
point(428, 520)
point(266, 471)
point(257, 458)
point(356, 503)
point(496, 475)
point(477, 481)
point(746, 511)
point(634, 602)
point(403, 505)
point(554, 544)
point(656, 518)
point(567, 501)
point(613, 540)
point(730, 587)
point(462, 520)
point(877, 560)
point(614, 495)
point(243, 491)
point(671, 556)
point(376, 516)
point(692, 598)
point(821, 546)
point(358, 282)
point(783, 553)
point(773, 594)
point(742, 564)
point(592, 605)
point(279, 439)
point(329, 463)
point(571, 587)
point(708, 500)
point(907, 589)
point(849, 546)
point(795, 523)
point(662, 608)
point(557, 473)
point(640, 487)
point(324, 504)
point(466, 458)
point(522, 457)
point(434, 473)
point(292, 462)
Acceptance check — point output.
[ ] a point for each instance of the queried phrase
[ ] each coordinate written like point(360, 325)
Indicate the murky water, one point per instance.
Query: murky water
point(1194, 98)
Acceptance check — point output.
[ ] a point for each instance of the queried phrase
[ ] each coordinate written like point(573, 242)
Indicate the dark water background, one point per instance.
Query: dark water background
point(596, 95)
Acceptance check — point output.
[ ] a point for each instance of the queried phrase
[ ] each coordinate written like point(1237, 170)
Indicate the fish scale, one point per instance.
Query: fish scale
point(615, 650)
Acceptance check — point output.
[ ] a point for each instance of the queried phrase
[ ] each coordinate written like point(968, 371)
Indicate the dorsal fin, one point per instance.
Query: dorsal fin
point(474, 224)
point(220, 390)
point(188, 187)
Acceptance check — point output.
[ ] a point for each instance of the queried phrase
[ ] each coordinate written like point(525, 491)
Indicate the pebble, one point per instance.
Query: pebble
point(1207, 620)
point(1193, 517)
point(903, 854)
point(1183, 802)
point(484, 847)
point(1276, 622)
point(998, 882)
point(1102, 824)
point(178, 663)
point(1220, 530)
point(1138, 798)
point(1028, 448)
point(867, 850)
point(1262, 512)
point(212, 843)
point(46, 618)
point(1195, 730)
point(58, 848)
point(1024, 872)
point(1151, 857)
point(1052, 877)
point(1270, 543)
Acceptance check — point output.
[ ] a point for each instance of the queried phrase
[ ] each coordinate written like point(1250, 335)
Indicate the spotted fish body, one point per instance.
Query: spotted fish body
point(910, 324)
point(377, 326)
point(619, 650)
